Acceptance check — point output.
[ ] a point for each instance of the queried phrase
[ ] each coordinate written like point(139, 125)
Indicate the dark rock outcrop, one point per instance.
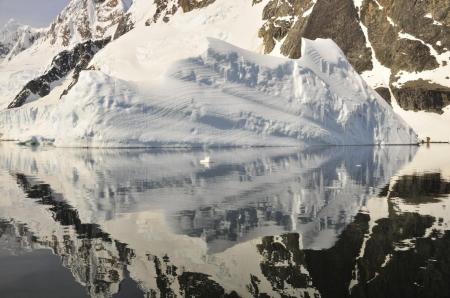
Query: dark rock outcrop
point(385, 93)
point(189, 5)
point(422, 96)
point(336, 19)
point(74, 60)
point(404, 35)
point(125, 25)
point(165, 9)
point(390, 49)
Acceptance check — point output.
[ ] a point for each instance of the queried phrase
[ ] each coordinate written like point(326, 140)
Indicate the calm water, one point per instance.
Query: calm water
point(324, 222)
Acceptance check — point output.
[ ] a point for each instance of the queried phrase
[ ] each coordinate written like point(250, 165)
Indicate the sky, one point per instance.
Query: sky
point(37, 13)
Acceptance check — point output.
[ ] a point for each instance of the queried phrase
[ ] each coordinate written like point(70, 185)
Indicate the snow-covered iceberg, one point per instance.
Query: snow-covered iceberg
point(220, 95)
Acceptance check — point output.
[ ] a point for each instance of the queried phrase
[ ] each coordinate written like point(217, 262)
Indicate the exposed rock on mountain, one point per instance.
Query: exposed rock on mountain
point(167, 8)
point(422, 95)
point(399, 45)
point(84, 20)
point(74, 60)
point(288, 21)
point(385, 93)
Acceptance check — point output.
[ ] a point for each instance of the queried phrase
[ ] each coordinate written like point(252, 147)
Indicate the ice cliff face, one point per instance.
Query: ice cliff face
point(319, 99)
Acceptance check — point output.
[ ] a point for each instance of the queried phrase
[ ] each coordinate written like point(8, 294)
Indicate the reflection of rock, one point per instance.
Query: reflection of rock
point(284, 266)
point(236, 207)
point(419, 272)
point(421, 189)
point(399, 257)
point(97, 261)
point(331, 269)
point(194, 284)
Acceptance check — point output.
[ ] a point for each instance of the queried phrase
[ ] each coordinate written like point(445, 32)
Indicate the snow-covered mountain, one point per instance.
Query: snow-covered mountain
point(188, 73)
point(84, 20)
point(15, 38)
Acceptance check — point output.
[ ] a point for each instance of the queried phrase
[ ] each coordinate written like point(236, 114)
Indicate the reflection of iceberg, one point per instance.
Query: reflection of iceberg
point(165, 204)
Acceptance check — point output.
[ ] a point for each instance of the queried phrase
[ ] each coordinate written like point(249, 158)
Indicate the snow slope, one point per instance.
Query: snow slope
point(145, 89)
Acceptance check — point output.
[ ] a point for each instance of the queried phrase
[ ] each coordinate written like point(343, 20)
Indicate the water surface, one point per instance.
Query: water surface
point(274, 222)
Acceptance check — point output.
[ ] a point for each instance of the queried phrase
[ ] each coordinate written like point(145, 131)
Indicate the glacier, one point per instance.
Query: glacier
point(213, 94)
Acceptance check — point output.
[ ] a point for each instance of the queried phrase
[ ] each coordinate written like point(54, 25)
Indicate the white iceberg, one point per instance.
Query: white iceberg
point(223, 96)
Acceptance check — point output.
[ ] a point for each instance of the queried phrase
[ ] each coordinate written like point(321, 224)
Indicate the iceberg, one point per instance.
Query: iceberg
point(222, 96)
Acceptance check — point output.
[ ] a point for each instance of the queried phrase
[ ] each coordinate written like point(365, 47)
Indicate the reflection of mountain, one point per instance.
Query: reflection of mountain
point(322, 196)
point(164, 222)
point(406, 254)
point(243, 196)
point(96, 261)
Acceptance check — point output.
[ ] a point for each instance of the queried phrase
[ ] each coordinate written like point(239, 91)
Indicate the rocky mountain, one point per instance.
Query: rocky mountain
point(64, 63)
point(74, 36)
point(84, 20)
point(400, 47)
point(403, 56)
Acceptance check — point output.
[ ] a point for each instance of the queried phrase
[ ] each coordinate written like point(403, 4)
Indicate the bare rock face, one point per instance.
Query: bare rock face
point(409, 42)
point(189, 5)
point(74, 60)
point(384, 93)
point(427, 20)
point(125, 25)
point(4, 50)
point(405, 36)
point(287, 21)
point(390, 49)
point(422, 96)
point(167, 8)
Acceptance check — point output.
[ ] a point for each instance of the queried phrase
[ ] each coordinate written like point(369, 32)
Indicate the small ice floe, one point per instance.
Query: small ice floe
point(206, 161)
point(358, 166)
